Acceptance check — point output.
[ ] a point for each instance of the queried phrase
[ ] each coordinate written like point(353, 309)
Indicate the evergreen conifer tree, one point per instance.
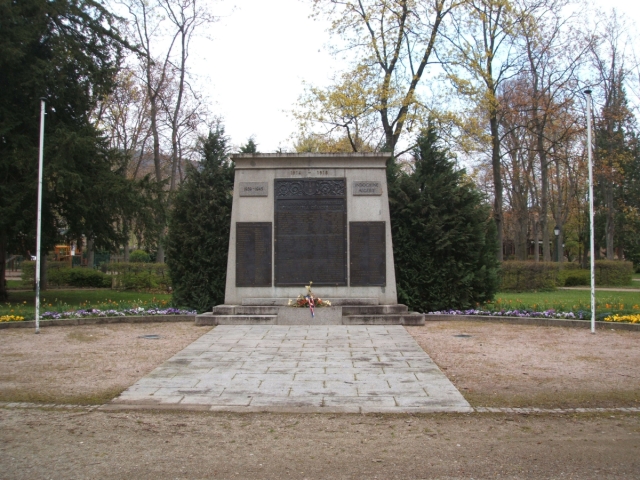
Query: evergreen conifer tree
point(444, 241)
point(68, 52)
point(250, 147)
point(198, 239)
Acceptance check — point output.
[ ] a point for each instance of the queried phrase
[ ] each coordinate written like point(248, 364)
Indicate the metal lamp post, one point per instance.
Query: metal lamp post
point(556, 231)
point(39, 225)
point(592, 236)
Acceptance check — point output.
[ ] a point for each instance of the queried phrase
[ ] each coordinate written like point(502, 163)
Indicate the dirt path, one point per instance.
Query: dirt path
point(75, 445)
point(502, 365)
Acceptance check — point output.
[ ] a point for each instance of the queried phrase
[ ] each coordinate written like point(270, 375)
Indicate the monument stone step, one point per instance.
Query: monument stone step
point(283, 302)
point(410, 318)
point(214, 319)
point(374, 309)
point(244, 310)
point(334, 315)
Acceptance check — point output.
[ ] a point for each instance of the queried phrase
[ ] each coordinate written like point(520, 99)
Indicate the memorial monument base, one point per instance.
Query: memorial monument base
point(302, 220)
point(274, 311)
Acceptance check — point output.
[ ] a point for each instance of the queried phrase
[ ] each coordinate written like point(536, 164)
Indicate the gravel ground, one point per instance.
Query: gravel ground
point(138, 445)
point(88, 364)
point(527, 366)
point(499, 364)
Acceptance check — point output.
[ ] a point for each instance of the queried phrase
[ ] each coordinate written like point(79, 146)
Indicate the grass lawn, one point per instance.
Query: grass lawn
point(568, 301)
point(14, 284)
point(22, 303)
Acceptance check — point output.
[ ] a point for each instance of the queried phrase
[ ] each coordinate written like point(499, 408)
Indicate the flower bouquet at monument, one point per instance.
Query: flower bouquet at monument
point(309, 300)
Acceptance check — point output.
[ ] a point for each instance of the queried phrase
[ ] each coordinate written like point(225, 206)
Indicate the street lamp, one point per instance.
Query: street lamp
point(556, 231)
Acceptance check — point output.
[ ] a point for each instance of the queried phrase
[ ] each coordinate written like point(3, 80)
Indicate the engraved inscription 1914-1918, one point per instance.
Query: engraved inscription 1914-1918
point(367, 250)
point(310, 231)
point(253, 254)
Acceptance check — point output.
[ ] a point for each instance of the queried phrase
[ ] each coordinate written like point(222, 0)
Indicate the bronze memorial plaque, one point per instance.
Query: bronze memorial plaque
point(367, 248)
point(310, 231)
point(253, 254)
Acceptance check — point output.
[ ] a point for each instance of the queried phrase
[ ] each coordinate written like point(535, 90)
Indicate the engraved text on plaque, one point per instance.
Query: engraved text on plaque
point(367, 187)
point(310, 231)
point(367, 250)
point(253, 254)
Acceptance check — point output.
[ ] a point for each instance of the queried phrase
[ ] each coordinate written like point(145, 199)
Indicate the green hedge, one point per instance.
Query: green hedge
point(613, 273)
point(139, 276)
point(61, 275)
point(518, 276)
point(545, 276)
point(139, 256)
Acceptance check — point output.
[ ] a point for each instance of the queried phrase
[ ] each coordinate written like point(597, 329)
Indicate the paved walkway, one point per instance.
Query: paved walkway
point(306, 368)
point(604, 289)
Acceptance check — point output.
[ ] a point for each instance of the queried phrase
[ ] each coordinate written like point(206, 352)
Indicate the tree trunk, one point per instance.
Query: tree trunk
point(3, 266)
point(160, 253)
point(536, 241)
point(126, 251)
point(43, 270)
point(610, 222)
point(497, 180)
point(90, 254)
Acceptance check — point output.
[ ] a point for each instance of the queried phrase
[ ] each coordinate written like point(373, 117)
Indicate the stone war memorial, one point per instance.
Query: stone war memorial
point(310, 219)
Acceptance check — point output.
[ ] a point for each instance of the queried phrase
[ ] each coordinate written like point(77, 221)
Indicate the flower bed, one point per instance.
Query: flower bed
point(580, 315)
point(623, 318)
point(115, 313)
point(11, 318)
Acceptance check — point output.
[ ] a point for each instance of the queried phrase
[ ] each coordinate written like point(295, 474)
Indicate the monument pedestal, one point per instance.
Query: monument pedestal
point(301, 218)
point(334, 315)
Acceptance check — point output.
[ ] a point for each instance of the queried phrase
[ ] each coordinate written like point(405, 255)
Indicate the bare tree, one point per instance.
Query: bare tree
point(482, 55)
point(163, 30)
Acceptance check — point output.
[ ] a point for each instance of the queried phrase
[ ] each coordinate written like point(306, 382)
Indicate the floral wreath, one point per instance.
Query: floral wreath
point(309, 300)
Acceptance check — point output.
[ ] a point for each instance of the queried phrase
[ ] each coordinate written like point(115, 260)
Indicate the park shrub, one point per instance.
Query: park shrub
point(576, 278)
point(61, 275)
point(519, 276)
point(444, 240)
point(199, 224)
point(139, 276)
point(139, 256)
point(613, 272)
point(28, 272)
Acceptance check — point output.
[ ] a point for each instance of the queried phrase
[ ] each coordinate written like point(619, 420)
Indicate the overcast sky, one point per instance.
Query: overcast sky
point(260, 53)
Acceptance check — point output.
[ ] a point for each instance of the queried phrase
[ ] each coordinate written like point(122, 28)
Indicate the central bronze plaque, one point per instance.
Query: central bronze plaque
point(310, 231)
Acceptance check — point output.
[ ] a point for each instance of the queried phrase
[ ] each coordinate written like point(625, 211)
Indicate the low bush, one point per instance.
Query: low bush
point(61, 275)
point(518, 276)
point(139, 276)
point(576, 278)
point(139, 256)
point(28, 272)
point(613, 272)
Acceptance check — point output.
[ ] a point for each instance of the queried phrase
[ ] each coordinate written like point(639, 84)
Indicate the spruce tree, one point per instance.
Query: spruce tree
point(198, 239)
point(444, 241)
point(250, 147)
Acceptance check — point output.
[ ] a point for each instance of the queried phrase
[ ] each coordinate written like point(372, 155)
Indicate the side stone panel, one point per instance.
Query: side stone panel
point(253, 254)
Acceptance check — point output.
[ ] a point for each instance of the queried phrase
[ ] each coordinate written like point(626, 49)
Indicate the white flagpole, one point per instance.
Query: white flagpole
point(39, 226)
point(592, 226)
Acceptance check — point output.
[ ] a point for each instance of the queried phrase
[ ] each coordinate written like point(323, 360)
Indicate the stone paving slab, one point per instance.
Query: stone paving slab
point(311, 368)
